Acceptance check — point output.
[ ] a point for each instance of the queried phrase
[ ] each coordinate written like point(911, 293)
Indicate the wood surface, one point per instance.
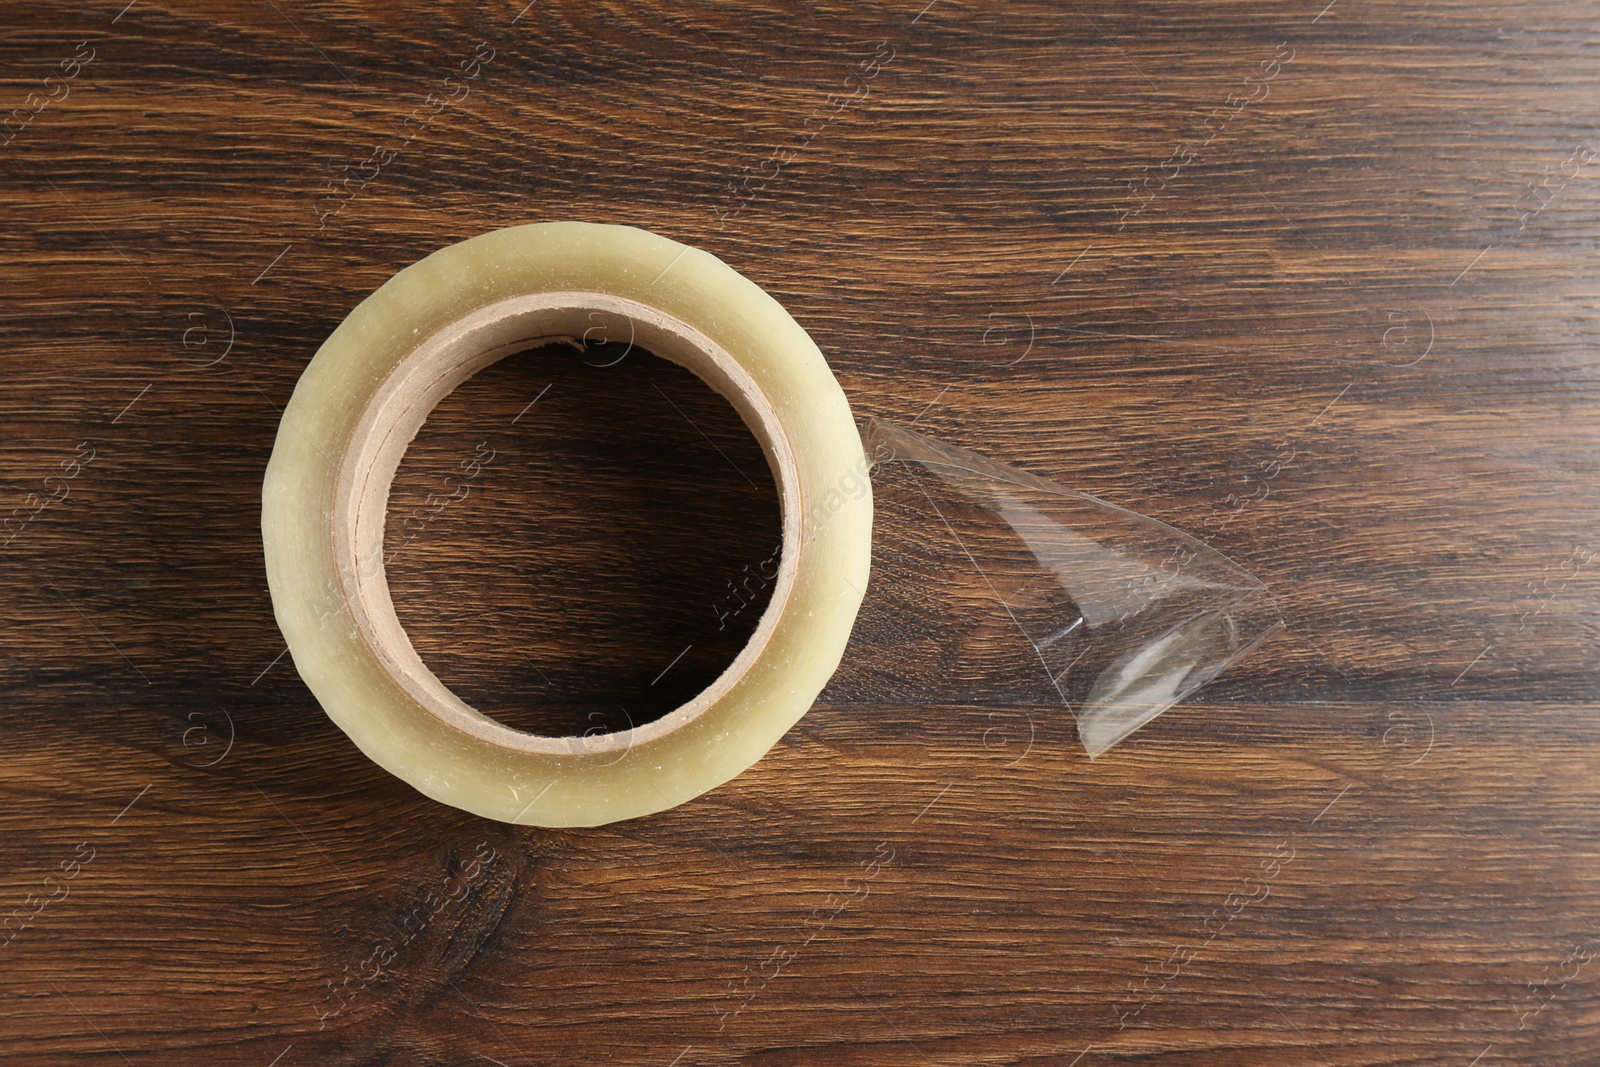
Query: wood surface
point(1316, 282)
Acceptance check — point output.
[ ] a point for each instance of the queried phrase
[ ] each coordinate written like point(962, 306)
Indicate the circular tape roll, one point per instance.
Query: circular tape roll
point(403, 349)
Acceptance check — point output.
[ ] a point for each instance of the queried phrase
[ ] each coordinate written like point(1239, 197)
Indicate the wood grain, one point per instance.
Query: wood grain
point(1047, 231)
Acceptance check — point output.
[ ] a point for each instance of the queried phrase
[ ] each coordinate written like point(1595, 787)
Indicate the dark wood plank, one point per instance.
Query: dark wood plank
point(1372, 842)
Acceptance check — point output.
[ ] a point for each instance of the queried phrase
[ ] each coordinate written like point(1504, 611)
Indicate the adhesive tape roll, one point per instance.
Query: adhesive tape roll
point(369, 389)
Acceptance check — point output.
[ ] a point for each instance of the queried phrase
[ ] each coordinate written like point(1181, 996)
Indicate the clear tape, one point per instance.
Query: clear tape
point(1123, 615)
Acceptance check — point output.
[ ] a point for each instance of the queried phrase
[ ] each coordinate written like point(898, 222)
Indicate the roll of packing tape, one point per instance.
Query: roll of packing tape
point(369, 389)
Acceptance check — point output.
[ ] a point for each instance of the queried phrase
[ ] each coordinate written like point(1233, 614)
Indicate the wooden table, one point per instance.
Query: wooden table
point(1315, 281)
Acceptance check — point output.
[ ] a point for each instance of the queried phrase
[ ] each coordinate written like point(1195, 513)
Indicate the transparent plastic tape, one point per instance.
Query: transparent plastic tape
point(992, 584)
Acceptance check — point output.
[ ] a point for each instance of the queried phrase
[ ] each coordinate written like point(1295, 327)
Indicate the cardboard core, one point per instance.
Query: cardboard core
point(426, 376)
